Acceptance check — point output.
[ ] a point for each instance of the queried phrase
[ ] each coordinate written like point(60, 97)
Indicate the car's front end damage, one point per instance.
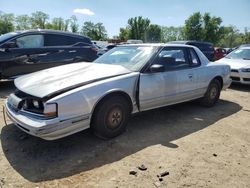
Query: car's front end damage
point(40, 118)
point(63, 106)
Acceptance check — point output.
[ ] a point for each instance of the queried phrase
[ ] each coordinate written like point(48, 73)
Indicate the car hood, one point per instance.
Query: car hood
point(63, 78)
point(235, 63)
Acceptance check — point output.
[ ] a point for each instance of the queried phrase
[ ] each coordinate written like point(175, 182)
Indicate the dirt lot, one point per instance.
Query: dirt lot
point(199, 147)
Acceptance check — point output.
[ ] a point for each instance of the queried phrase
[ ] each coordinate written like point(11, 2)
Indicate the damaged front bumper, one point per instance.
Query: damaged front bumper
point(49, 129)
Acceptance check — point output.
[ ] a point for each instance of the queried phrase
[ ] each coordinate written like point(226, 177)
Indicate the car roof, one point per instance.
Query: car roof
point(50, 31)
point(189, 41)
point(158, 45)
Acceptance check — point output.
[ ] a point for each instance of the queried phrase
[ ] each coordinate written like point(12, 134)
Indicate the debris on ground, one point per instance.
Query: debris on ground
point(166, 173)
point(132, 172)
point(157, 184)
point(215, 155)
point(142, 167)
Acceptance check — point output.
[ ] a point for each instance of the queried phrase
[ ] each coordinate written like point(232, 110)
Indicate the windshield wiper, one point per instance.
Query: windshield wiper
point(246, 58)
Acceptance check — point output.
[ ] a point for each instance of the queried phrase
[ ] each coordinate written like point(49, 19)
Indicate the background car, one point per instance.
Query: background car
point(103, 94)
point(206, 47)
point(106, 48)
point(239, 61)
point(24, 52)
point(219, 53)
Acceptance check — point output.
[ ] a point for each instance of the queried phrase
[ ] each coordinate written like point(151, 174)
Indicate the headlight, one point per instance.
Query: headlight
point(40, 108)
point(35, 103)
point(245, 70)
point(50, 110)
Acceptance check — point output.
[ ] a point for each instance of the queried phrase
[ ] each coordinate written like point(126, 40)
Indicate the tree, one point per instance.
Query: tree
point(204, 28)
point(73, 24)
point(58, 24)
point(230, 37)
point(247, 36)
point(94, 31)
point(6, 23)
point(124, 34)
point(39, 19)
point(23, 22)
point(193, 27)
point(212, 31)
point(137, 27)
point(153, 33)
point(172, 33)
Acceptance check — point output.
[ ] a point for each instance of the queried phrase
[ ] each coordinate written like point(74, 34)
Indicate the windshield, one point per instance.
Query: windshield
point(130, 57)
point(242, 53)
point(6, 36)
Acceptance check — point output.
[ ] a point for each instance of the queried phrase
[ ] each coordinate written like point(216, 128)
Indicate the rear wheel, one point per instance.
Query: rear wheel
point(110, 117)
point(212, 95)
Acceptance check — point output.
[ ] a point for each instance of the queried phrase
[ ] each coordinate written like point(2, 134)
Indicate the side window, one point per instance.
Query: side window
point(194, 58)
point(30, 41)
point(173, 58)
point(61, 40)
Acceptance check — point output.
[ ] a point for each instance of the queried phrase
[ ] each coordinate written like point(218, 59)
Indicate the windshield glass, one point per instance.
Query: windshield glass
point(130, 57)
point(242, 53)
point(6, 36)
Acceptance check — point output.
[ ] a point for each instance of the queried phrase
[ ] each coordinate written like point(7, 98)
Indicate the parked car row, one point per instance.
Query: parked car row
point(63, 100)
point(239, 61)
point(101, 95)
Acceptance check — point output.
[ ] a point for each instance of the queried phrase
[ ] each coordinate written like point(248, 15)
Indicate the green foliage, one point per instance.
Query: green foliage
point(203, 28)
point(6, 23)
point(172, 33)
point(193, 27)
point(39, 19)
point(23, 22)
point(137, 28)
point(153, 33)
point(58, 24)
point(73, 24)
point(94, 31)
point(124, 34)
point(231, 37)
point(246, 36)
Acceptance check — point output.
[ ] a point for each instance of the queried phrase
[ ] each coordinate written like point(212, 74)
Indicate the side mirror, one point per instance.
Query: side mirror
point(9, 44)
point(157, 68)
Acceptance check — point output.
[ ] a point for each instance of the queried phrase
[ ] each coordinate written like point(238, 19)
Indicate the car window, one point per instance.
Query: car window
point(130, 57)
point(30, 41)
point(62, 40)
point(194, 58)
point(173, 58)
point(241, 53)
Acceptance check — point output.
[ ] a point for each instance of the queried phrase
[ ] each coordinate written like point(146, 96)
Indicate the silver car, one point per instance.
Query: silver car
point(60, 101)
point(239, 61)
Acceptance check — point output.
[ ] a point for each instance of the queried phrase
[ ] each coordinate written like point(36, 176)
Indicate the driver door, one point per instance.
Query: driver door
point(166, 87)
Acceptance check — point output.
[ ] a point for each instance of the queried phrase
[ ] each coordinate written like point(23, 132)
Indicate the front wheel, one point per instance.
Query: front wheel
point(212, 94)
point(110, 117)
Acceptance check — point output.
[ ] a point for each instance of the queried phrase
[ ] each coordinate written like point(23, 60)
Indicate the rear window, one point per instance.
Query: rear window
point(203, 46)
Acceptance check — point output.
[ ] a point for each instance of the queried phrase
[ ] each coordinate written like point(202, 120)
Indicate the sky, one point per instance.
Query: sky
point(115, 13)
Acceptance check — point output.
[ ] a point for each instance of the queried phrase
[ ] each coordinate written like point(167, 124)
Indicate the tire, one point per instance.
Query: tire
point(212, 94)
point(110, 117)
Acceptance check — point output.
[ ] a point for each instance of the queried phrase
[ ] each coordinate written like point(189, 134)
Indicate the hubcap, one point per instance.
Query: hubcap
point(213, 92)
point(114, 118)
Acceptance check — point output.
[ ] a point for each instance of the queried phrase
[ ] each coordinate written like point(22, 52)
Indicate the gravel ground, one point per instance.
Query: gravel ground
point(197, 146)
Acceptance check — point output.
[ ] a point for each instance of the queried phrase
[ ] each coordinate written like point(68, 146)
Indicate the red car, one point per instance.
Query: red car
point(219, 53)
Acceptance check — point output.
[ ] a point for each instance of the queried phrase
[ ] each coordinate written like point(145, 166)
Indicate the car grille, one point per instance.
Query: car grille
point(234, 70)
point(246, 79)
point(235, 78)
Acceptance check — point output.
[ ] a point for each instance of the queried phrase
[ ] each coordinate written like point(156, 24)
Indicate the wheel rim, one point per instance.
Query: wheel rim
point(213, 93)
point(114, 118)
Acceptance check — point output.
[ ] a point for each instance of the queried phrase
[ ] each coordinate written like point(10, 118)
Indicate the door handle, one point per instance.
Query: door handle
point(190, 76)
